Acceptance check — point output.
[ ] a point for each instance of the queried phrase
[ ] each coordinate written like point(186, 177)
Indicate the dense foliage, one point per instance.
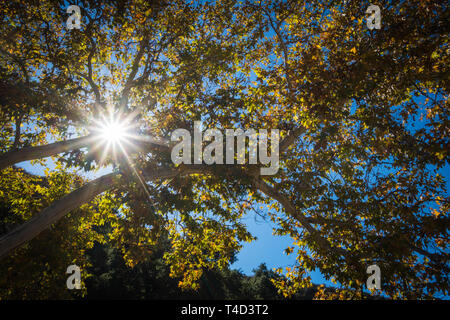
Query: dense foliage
point(364, 118)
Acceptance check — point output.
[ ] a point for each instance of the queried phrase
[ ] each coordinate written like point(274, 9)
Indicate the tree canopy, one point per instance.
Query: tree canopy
point(363, 116)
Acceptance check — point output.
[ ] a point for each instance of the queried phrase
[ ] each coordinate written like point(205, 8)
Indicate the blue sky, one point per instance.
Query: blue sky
point(268, 249)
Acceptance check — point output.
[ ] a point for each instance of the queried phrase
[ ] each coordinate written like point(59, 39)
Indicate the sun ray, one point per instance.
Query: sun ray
point(138, 175)
point(114, 133)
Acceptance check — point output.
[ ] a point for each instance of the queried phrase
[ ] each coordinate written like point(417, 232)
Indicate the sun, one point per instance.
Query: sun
point(113, 135)
point(113, 131)
point(116, 138)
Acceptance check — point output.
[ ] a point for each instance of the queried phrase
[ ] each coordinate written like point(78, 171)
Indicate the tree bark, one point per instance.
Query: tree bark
point(51, 149)
point(38, 152)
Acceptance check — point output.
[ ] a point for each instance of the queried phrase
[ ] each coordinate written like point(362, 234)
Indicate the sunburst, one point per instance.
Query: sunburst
point(116, 133)
point(113, 133)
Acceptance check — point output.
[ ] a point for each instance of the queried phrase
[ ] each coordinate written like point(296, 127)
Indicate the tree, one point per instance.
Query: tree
point(111, 278)
point(363, 114)
point(39, 267)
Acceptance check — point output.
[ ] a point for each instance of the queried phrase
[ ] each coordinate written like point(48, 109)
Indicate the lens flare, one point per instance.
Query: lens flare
point(113, 131)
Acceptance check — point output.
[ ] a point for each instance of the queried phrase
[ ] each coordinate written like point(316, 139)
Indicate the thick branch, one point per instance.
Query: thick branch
point(291, 210)
point(437, 258)
point(18, 123)
point(75, 199)
point(134, 70)
point(38, 152)
point(95, 88)
point(53, 213)
point(290, 139)
point(93, 85)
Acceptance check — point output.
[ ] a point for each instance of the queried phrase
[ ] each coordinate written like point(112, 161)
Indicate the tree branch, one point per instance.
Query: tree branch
point(18, 123)
point(290, 139)
point(38, 152)
point(53, 213)
point(134, 70)
point(74, 200)
point(291, 210)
